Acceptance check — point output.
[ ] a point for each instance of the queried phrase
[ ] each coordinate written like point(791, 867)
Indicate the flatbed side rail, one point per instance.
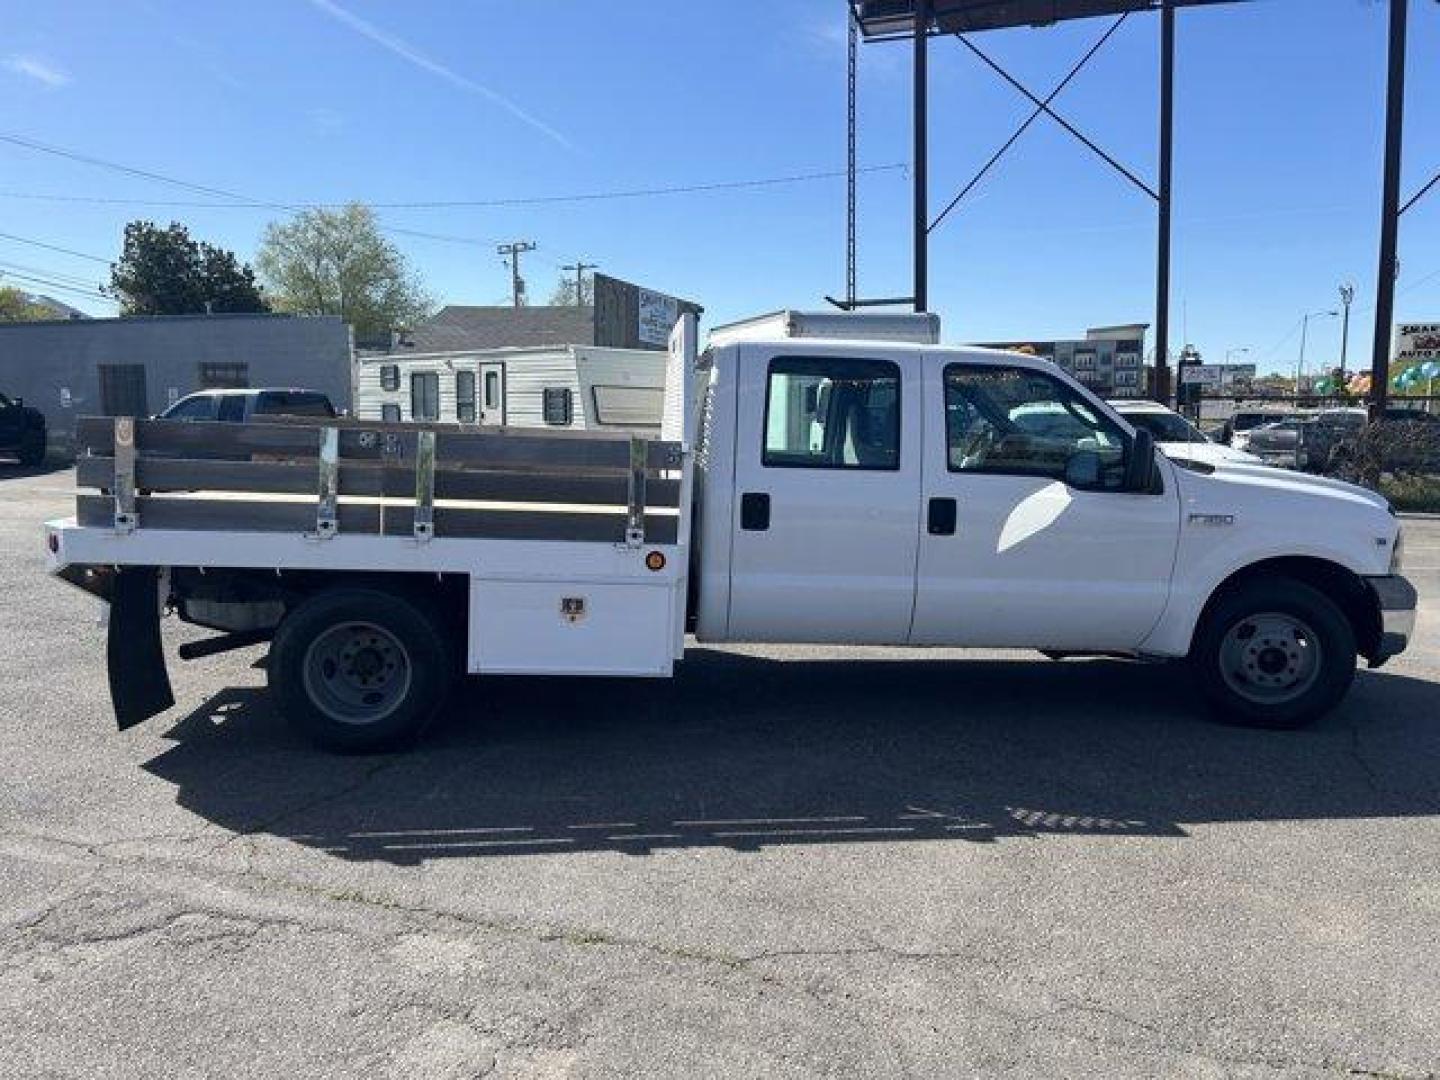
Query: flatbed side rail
point(359, 477)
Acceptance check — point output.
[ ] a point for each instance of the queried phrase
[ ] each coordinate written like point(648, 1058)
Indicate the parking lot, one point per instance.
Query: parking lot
point(787, 862)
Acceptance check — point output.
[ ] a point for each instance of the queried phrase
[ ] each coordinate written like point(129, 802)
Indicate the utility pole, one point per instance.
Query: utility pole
point(1347, 297)
point(517, 284)
point(579, 267)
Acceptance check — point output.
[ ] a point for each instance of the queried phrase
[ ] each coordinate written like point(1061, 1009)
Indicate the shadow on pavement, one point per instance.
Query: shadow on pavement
point(746, 752)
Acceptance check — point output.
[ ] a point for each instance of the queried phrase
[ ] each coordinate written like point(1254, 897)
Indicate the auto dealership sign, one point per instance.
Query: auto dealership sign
point(1417, 341)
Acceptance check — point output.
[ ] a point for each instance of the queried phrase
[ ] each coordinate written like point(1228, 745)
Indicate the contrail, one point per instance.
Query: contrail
point(406, 51)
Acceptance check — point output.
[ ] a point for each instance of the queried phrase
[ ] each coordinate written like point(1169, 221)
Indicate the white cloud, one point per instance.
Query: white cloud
point(408, 52)
point(32, 67)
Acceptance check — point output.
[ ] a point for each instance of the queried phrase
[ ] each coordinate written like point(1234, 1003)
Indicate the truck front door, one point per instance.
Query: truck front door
point(1029, 540)
point(826, 510)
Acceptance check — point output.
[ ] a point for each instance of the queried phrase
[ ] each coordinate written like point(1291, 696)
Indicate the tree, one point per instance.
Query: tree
point(165, 272)
point(16, 306)
point(564, 294)
point(335, 262)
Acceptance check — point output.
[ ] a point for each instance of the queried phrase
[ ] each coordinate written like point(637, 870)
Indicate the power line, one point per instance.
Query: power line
point(235, 197)
point(459, 204)
point(58, 286)
point(74, 279)
point(54, 247)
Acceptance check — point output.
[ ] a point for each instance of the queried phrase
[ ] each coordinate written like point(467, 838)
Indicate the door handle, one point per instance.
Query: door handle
point(940, 519)
point(755, 511)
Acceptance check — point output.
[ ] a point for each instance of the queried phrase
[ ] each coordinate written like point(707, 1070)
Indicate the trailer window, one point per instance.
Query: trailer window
point(390, 412)
point(389, 376)
point(492, 390)
point(630, 406)
point(425, 395)
point(832, 414)
point(465, 397)
point(559, 406)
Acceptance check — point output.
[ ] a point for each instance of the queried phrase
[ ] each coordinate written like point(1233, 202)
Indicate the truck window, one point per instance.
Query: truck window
point(1024, 423)
point(823, 413)
point(199, 407)
point(465, 397)
point(425, 395)
point(294, 403)
point(232, 409)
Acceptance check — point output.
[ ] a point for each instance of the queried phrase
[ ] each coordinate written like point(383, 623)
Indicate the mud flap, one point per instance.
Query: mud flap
point(139, 683)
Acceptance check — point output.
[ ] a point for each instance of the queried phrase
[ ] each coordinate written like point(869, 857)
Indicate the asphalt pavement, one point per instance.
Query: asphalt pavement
point(785, 862)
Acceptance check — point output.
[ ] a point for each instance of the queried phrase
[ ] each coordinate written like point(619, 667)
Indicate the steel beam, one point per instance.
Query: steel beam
point(921, 155)
point(1389, 211)
point(1162, 257)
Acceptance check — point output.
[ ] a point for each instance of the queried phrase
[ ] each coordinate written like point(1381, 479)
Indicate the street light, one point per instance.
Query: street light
point(1304, 331)
point(1347, 297)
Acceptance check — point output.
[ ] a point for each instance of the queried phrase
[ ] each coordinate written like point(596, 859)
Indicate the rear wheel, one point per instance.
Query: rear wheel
point(32, 450)
point(1274, 653)
point(358, 669)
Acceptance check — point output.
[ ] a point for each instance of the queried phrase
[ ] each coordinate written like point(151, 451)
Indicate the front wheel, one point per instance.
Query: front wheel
point(1275, 654)
point(359, 670)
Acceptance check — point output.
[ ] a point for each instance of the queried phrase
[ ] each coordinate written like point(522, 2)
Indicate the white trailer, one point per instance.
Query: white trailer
point(802, 490)
point(579, 387)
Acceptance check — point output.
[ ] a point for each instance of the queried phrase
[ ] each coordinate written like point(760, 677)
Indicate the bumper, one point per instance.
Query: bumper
point(1396, 599)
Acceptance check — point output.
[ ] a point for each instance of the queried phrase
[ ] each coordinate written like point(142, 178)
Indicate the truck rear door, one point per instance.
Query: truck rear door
point(826, 514)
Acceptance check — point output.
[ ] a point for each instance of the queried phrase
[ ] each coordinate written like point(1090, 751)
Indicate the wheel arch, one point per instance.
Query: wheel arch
point(1343, 586)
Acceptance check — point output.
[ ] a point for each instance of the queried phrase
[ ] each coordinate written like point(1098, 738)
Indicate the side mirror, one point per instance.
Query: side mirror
point(1140, 462)
point(1082, 469)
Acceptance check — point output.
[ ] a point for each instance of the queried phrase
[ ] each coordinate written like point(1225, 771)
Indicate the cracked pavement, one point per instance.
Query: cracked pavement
point(898, 864)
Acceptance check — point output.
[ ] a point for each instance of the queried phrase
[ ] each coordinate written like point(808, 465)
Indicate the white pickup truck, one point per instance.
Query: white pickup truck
point(819, 479)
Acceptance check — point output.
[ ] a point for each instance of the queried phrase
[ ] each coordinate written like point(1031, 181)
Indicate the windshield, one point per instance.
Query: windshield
point(1246, 421)
point(1166, 427)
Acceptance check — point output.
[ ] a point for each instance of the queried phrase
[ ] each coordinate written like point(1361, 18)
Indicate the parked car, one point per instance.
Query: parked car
point(1177, 437)
point(245, 406)
point(22, 431)
point(1236, 432)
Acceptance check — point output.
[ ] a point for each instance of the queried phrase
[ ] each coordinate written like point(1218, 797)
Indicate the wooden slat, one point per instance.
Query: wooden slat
point(515, 448)
point(230, 514)
point(453, 522)
point(299, 478)
point(244, 516)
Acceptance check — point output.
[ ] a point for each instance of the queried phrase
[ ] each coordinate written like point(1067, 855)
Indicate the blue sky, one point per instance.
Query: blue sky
point(1279, 113)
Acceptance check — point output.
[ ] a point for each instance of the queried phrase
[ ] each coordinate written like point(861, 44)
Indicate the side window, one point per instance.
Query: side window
point(492, 390)
point(200, 407)
point(823, 413)
point(389, 376)
point(1019, 422)
point(465, 397)
point(232, 409)
point(425, 395)
point(557, 406)
point(390, 413)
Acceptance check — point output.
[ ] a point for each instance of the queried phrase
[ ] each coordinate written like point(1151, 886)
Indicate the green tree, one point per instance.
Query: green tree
point(16, 306)
point(165, 272)
point(564, 292)
point(335, 262)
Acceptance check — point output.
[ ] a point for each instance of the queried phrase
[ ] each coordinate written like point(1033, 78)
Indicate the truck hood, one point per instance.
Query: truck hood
point(1247, 481)
point(1207, 453)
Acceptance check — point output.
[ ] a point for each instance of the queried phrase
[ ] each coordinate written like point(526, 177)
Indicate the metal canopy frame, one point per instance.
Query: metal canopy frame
point(918, 21)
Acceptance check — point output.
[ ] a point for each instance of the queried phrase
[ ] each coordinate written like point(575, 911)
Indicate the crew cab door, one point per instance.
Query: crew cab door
point(825, 518)
point(1029, 540)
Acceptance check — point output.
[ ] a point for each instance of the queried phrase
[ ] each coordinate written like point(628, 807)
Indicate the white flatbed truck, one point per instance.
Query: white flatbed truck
point(821, 479)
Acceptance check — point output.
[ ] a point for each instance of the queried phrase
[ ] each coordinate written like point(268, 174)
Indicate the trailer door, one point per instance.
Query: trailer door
point(826, 515)
point(492, 394)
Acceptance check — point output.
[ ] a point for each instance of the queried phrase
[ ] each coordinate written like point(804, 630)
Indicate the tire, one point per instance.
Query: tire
point(32, 451)
point(1274, 653)
point(359, 670)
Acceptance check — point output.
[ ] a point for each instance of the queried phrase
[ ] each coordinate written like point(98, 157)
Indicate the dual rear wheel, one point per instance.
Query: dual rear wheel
point(360, 669)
